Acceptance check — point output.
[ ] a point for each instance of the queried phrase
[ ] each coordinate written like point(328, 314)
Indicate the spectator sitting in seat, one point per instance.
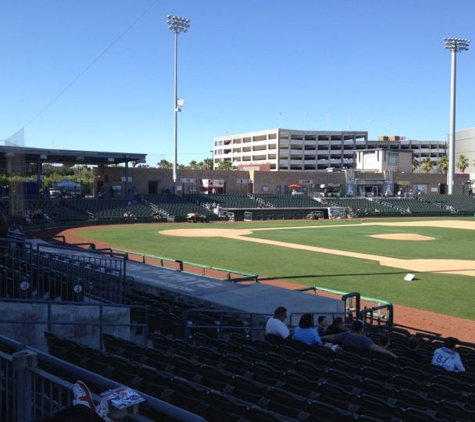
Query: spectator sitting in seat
point(337, 326)
point(357, 340)
point(17, 233)
point(384, 341)
point(306, 332)
point(412, 351)
point(38, 214)
point(322, 325)
point(276, 326)
point(129, 215)
point(447, 357)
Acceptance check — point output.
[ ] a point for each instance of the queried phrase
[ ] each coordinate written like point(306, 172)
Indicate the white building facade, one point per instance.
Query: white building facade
point(316, 151)
point(465, 145)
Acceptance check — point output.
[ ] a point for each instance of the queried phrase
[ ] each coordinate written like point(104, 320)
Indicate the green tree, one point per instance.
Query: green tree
point(225, 165)
point(427, 164)
point(444, 164)
point(164, 164)
point(193, 165)
point(206, 164)
point(48, 169)
point(65, 171)
point(462, 163)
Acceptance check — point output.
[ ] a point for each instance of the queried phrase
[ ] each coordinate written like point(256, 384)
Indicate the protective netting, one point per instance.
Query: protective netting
point(16, 170)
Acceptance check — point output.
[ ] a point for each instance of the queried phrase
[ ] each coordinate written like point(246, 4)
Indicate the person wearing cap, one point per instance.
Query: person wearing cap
point(276, 325)
point(446, 356)
point(356, 340)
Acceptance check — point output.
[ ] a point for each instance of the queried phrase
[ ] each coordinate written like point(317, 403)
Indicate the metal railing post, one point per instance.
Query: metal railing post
point(23, 361)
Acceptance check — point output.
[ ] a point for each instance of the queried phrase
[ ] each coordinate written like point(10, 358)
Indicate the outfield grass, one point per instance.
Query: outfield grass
point(437, 292)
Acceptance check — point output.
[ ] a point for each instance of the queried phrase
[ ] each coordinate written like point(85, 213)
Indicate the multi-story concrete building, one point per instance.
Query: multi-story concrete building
point(434, 150)
point(306, 150)
point(465, 145)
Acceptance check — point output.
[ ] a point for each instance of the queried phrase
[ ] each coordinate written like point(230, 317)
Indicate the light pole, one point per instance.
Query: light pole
point(456, 45)
point(177, 24)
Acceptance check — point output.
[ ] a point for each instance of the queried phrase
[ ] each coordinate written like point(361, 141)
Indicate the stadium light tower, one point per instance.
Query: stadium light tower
point(455, 45)
point(178, 25)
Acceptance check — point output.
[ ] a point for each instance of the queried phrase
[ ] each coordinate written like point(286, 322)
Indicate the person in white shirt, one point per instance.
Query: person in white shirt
point(446, 356)
point(276, 325)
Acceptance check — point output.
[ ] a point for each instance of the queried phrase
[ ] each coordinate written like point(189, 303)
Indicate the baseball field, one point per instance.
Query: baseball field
point(370, 256)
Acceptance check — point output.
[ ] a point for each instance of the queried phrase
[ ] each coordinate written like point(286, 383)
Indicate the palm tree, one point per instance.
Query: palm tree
point(225, 165)
point(427, 164)
point(193, 165)
point(462, 163)
point(164, 164)
point(444, 164)
point(415, 164)
point(206, 164)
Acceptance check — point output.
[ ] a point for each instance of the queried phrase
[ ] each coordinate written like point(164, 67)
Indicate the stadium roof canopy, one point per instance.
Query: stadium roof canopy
point(68, 157)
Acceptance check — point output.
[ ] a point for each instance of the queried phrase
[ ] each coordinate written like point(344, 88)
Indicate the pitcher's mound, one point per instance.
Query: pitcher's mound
point(402, 236)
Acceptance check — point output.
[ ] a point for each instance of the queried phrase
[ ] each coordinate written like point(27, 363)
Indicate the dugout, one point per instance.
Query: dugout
point(254, 214)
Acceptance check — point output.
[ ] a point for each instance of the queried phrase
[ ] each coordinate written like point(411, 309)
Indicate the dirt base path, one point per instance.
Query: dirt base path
point(445, 325)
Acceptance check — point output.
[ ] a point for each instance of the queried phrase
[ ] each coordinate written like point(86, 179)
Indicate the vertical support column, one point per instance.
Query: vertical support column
point(23, 362)
point(451, 172)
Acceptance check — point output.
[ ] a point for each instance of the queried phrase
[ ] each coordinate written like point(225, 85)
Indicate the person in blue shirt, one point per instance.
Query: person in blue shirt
point(306, 332)
point(446, 356)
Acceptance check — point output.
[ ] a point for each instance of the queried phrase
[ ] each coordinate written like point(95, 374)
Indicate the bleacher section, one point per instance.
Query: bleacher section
point(224, 200)
point(287, 201)
point(460, 203)
point(36, 271)
point(364, 206)
point(260, 206)
point(173, 205)
point(103, 209)
point(252, 380)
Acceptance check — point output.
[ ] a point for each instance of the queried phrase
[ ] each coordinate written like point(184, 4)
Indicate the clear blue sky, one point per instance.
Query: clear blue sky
point(98, 74)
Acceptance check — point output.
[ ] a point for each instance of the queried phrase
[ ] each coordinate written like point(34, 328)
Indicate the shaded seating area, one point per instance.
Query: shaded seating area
point(287, 201)
point(252, 380)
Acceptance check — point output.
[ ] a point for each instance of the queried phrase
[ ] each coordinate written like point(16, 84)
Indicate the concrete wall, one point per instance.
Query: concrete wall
point(33, 322)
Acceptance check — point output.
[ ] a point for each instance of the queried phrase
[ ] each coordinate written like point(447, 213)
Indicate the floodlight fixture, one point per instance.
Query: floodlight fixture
point(178, 24)
point(455, 45)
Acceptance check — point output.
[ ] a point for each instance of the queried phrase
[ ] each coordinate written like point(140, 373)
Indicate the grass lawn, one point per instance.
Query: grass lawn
point(437, 292)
